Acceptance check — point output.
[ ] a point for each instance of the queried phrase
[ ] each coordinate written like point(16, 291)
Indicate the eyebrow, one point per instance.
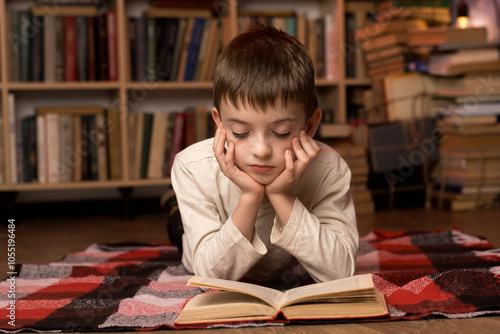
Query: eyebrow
point(278, 121)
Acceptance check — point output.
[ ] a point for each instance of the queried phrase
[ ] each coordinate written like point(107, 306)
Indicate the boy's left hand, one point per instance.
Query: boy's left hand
point(305, 149)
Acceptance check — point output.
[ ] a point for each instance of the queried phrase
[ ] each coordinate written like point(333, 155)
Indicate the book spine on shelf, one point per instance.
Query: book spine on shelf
point(112, 51)
point(82, 48)
point(70, 65)
point(194, 49)
point(37, 48)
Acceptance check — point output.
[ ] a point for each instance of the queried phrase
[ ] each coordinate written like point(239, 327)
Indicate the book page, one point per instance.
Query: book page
point(353, 283)
point(271, 296)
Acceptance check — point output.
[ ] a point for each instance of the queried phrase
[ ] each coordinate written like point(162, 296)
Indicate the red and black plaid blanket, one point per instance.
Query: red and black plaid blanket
point(142, 287)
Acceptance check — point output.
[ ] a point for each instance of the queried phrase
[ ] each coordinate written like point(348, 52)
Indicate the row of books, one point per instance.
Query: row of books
point(64, 43)
point(171, 44)
point(156, 137)
point(72, 144)
point(60, 144)
point(316, 34)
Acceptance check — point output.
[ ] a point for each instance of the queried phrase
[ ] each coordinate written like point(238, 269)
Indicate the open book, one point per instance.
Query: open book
point(351, 297)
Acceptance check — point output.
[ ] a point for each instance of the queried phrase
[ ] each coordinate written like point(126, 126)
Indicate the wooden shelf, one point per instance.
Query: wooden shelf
point(86, 185)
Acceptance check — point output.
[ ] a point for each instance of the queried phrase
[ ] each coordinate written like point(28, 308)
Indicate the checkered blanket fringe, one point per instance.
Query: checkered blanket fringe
point(143, 287)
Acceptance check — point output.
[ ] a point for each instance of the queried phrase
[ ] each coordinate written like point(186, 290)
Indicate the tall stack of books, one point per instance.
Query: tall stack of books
point(468, 176)
point(350, 142)
point(385, 46)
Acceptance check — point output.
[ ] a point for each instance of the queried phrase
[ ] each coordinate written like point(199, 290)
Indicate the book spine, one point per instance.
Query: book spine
point(12, 138)
point(140, 49)
point(41, 158)
point(49, 49)
point(112, 45)
point(37, 49)
point(81, 48)
point(27, 134)
point(66, 142)
point(102, 53)
point(194, 49)
point(177, 137)
point(77, 149)
point(146, 144)
point(70, 66)
point(15, 47)
point(132, 21)
point(52, 148)
point(151, 49)
point(25, 30)
point(102, 156)
point(113, 139)
point(91, 49)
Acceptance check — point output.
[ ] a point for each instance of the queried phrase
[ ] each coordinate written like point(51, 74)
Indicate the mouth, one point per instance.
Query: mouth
point(261, 168)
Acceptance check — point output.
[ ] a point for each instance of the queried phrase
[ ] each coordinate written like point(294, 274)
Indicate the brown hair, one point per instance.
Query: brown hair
point(264, 64)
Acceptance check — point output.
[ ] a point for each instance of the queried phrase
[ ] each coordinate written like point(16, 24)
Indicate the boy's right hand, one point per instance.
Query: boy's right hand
point(225, 158)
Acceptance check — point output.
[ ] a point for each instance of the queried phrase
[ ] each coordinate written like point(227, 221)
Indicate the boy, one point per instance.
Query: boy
point(262, 200)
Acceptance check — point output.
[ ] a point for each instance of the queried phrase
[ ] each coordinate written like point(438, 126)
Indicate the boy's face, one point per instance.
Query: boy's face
point(262, 137)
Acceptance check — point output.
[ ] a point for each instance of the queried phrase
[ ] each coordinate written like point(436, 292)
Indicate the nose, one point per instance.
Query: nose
point(261, 148)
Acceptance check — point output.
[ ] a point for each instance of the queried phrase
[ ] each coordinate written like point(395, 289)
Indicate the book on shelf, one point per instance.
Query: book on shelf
point(469, 85)
point(456, 140)
point(445, 35)
point(491, 108)
point(384, 41)
point(113, 138)
point(398, 25)
point(352, 297)
point(439, 62)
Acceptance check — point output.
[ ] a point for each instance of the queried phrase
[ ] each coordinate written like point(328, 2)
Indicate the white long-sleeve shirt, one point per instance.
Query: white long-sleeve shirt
point(321, 235)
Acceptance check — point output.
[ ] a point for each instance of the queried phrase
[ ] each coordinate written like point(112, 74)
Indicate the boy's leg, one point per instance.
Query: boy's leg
point(174, 222)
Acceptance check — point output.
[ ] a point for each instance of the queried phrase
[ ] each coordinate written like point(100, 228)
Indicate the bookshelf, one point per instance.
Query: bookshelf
point(127, 96)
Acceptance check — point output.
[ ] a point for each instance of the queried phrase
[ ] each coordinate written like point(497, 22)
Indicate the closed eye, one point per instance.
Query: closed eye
point(282, 135)
point(240, 135)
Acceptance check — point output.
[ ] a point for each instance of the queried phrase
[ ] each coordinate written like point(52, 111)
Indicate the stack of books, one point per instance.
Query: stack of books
point(468, 174)
point(454, 51)
point(350, 141)
point(385, 45)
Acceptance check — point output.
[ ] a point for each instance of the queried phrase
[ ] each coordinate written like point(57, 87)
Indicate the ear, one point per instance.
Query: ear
point(216, 117)
point(313, 122)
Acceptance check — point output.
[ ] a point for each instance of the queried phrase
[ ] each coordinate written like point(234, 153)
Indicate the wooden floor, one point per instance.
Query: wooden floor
point(41, 240)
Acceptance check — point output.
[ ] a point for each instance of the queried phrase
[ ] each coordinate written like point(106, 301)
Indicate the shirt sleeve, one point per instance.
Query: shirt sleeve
point(324, 239)
point(211, 247)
